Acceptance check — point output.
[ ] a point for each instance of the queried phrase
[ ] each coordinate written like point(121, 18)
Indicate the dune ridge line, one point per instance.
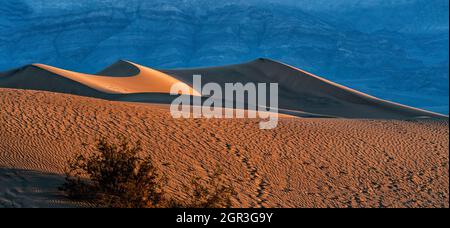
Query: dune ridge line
point(146, 81)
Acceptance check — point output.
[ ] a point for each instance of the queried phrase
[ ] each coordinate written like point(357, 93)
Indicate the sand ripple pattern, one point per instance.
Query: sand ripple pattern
point(302, 163)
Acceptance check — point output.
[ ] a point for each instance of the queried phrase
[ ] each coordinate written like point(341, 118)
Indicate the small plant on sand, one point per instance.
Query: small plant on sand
point(118, 175)
point(115, 176)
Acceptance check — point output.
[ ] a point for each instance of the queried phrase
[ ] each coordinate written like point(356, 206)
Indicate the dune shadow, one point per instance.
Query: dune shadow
point(21, 188)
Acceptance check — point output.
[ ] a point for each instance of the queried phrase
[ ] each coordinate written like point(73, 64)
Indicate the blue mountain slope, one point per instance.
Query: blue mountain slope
point(396, 50)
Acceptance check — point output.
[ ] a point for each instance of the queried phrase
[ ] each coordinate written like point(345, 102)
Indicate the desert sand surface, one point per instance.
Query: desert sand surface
point(304, 162)
point(299, 91)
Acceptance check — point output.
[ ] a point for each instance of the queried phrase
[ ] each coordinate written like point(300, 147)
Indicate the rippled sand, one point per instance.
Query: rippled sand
point(302, 163)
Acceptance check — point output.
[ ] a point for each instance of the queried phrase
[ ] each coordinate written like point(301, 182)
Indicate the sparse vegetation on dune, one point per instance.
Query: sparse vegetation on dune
point(118, 175)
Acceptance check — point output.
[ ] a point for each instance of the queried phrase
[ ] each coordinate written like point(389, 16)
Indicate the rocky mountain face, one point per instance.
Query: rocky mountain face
point(395, 50)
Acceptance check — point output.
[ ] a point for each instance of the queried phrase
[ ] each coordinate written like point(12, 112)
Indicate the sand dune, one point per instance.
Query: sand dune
point(302, 163)
point(145, 81)
point(300, 92)
point(374, 154)
point(303, 91)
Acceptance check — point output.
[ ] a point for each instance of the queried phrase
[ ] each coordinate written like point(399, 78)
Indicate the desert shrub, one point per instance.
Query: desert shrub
point(118, 175)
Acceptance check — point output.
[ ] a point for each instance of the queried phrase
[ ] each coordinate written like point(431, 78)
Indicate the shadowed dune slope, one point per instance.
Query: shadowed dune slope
point(302, 163)
point(299, 92)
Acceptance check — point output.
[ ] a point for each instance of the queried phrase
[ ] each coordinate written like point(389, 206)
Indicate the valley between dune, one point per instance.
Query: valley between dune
point(304, 162)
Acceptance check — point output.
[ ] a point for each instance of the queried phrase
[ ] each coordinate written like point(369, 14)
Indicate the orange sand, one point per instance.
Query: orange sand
point(302, 163)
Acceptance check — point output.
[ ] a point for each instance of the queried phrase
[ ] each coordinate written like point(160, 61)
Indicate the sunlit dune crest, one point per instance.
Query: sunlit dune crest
point(146, 81)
